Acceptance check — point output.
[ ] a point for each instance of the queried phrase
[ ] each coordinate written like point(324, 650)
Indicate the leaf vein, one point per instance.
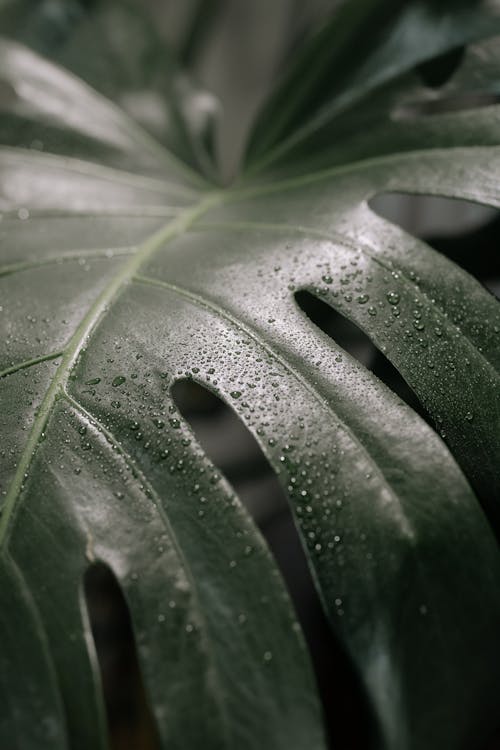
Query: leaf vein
point(29, 363)
point(172, 536)
point(77, 341)
point(324, 404)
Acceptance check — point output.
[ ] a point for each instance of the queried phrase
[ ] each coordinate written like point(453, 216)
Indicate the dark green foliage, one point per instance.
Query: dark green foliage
point(125, 267)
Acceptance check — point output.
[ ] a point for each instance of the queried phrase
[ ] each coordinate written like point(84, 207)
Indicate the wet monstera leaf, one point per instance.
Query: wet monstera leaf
point(126, 268)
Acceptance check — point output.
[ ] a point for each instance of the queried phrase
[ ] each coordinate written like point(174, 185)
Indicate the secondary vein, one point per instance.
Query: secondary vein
point(93, 420)
point(304, 381)
point(75, 257)
point(77, 341)
point(29, 363)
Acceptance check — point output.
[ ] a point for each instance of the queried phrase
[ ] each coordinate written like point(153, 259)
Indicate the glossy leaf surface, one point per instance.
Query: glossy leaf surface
point(122, 272)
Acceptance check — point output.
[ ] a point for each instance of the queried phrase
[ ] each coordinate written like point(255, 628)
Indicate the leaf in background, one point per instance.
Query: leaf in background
point(115, 285)
point(114, 47)
point(372, 45)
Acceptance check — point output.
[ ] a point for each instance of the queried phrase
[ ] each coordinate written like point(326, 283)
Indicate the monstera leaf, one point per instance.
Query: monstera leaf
point(126, 268)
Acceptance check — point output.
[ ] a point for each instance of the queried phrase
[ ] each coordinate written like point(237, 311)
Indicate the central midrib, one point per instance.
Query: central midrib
point(81, 335)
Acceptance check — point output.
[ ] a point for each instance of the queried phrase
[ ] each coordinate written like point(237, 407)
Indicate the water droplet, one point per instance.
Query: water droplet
point(363, 298)
point(93, 381)
point(236, 394)
point(119, 380)
point(393, 298)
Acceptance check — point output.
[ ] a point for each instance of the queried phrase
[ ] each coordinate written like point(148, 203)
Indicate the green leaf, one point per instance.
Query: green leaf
point(373, 45)
point(25, 651)
point(112, 46)
point(124, 271)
